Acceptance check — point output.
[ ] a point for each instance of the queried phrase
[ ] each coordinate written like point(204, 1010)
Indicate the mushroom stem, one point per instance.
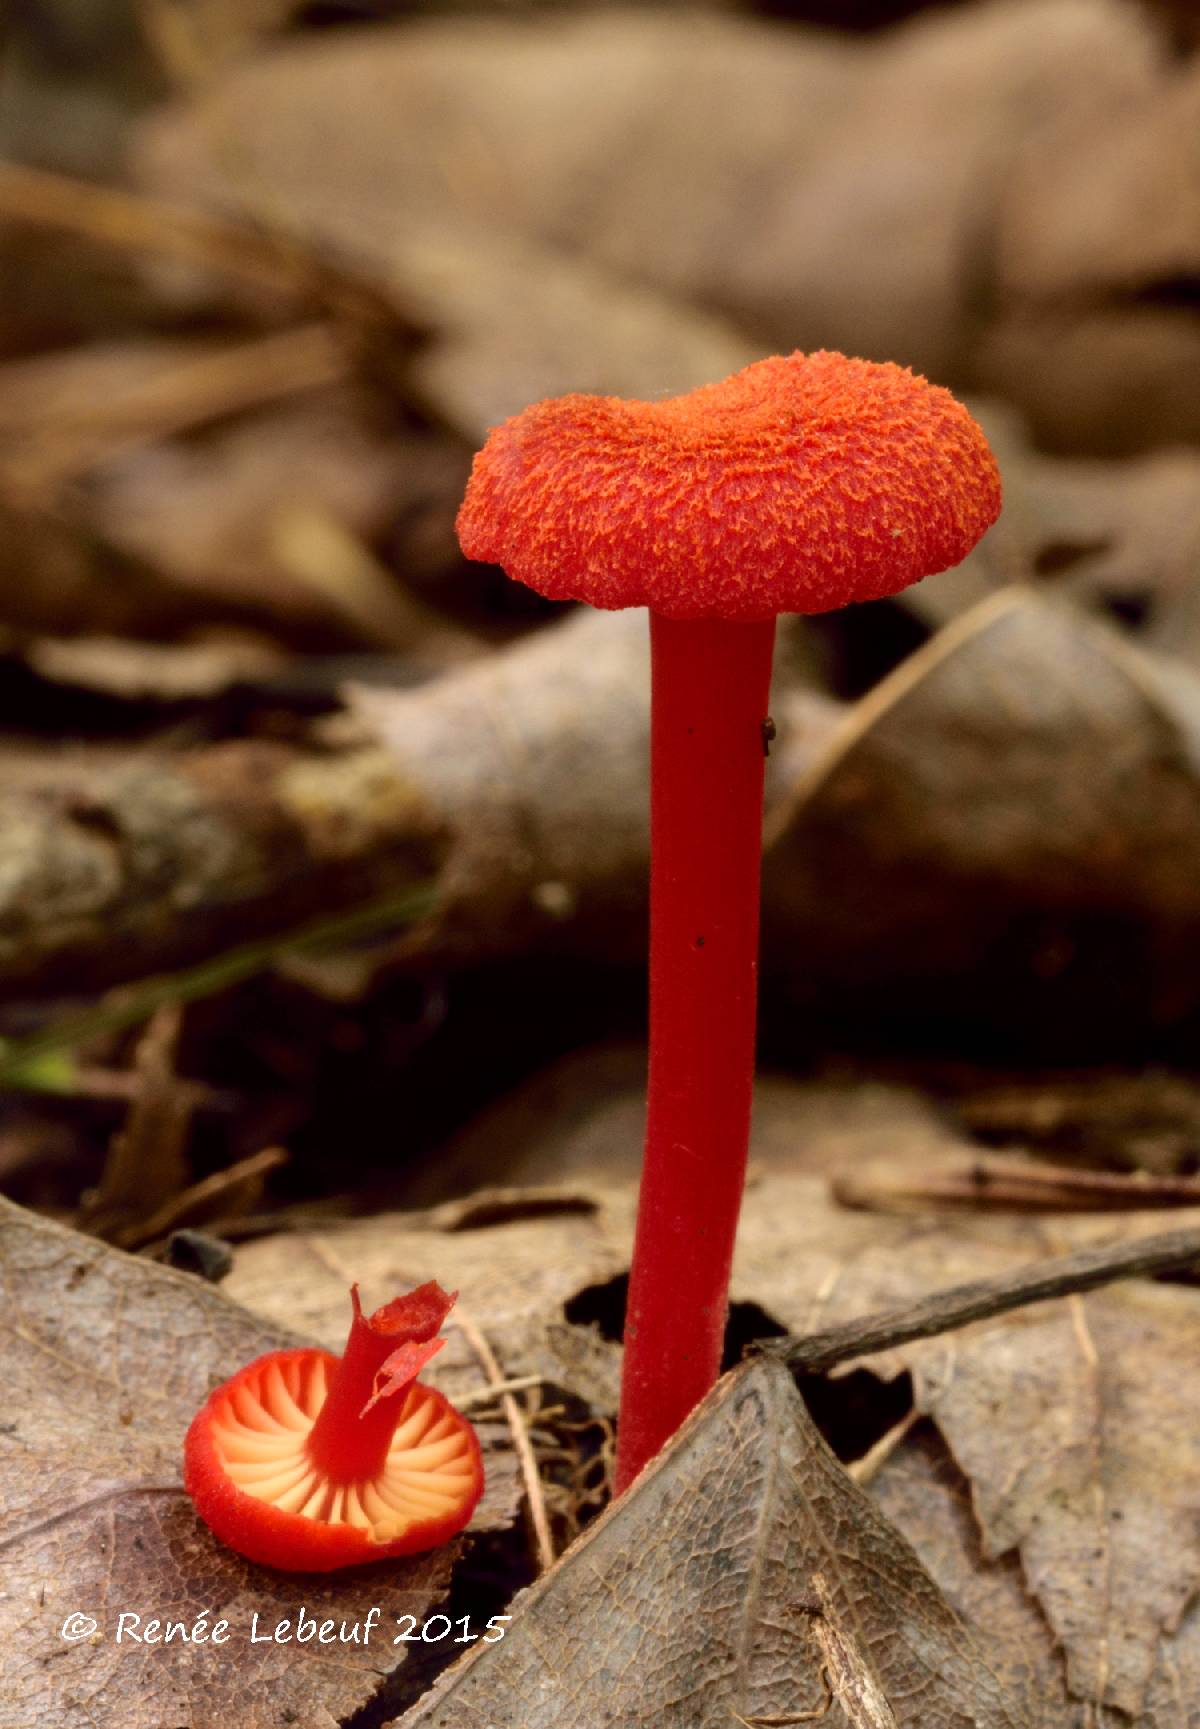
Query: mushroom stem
point(710, 685)
point(350, 1438)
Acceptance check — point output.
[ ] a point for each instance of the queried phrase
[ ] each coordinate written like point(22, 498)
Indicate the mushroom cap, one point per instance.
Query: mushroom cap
point(246, 1472)
point(799, 484)
point(254, 1480)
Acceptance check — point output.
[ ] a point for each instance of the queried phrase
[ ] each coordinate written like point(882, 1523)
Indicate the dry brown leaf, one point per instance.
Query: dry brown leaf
point(57, 575)
point(504, 127)
point(1015, 803)
point(741, 1565)
point(517, 321)
point(1120, 536)
point(926, 1496)
point(1077, 1429)
point(106, 1360)
point(1097, 250)
point(153, 672)
point(1123, 533)
point(92, 451)
point(849, 199)
point(1076, 1421)
point(147, 1162)
point(190, 42)
point(66, 414)
point(213, 517)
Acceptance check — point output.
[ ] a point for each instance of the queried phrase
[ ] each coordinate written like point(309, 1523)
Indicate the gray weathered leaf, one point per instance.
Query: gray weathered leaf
point(926, 1496)
point(742, 1564)
point(1076, 1422)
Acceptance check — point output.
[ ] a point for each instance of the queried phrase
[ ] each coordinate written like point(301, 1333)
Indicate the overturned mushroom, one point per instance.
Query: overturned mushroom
point(307, 1461)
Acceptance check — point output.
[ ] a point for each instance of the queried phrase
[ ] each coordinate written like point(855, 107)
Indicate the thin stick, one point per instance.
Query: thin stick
point(980, 1182)
point(487, 1395)
point(864, 1470)
point(520, 1435)
point(201, 1196)
point(130, 222)
point(1062, 1276)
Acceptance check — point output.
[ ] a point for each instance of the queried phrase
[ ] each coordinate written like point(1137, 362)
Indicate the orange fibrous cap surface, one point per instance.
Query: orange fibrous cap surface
point(799, 484)
point(306, 1461)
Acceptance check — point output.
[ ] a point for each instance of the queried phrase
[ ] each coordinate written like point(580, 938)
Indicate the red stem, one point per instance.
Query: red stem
point(343, 1442)
point(710, 683)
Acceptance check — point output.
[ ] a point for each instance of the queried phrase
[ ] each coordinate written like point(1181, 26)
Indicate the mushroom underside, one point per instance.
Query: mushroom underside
point(260, 1432)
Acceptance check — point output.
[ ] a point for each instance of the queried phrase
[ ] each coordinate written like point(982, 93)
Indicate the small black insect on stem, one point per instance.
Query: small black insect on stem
point(769, 733)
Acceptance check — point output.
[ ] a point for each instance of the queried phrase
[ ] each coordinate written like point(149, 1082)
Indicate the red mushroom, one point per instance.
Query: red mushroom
point(308, 1461)
point(800, 484)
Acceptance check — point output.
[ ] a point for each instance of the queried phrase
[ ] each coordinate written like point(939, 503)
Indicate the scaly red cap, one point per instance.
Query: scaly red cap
point(307, 1461)
point(799, 484)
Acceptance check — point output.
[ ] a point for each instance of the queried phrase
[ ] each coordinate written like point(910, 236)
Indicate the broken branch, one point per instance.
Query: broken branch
point(1063, 1276)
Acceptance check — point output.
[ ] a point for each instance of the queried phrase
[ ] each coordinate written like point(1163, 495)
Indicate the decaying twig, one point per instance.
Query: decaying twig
point(979, 1182)
point(863, 1470)
point(477, 780)
point(237, 1187)
point(252, 838)
point(520, 1434)
point(1062, 1276)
